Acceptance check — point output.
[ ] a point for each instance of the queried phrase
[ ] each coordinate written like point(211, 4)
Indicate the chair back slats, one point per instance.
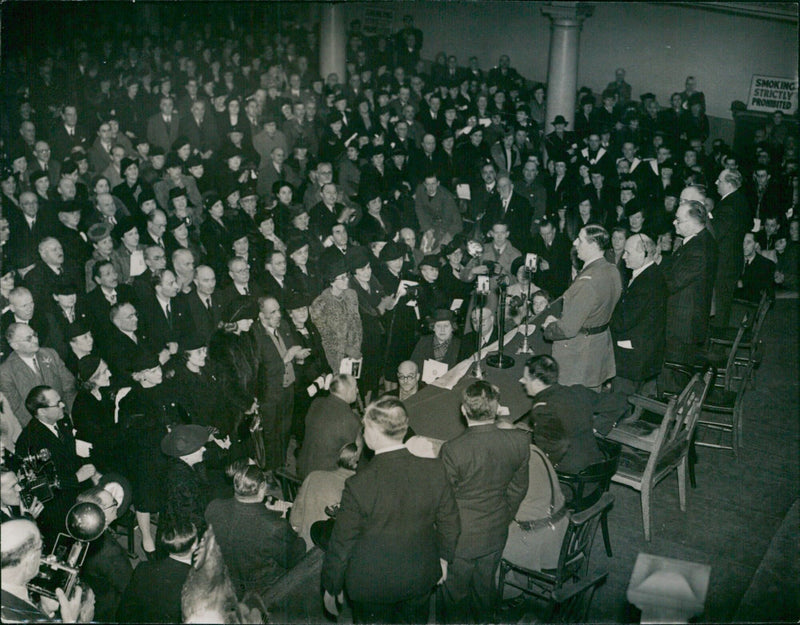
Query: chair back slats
point(573, 560)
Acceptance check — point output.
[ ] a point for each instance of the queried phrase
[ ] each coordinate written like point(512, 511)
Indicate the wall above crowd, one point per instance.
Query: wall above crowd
point(658, 44)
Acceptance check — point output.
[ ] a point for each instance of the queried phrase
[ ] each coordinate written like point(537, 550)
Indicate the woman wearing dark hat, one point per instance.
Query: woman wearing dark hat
point(581, 215)
point(268, 239)
point(331, 146)
point(215, 234)
point(9, 187)
point(302, 274)
point(128, 255)
point(372, 306)
point(131, 186)
point(450, 282)
point(186, 487)
point(180, 236)
point(335, 313)
point(305, 334)
point(102, 246)
point(93, 414)
point(144, 418)
point(401, 321)
point(441, 345)
point(299, 220)
point(377, 222)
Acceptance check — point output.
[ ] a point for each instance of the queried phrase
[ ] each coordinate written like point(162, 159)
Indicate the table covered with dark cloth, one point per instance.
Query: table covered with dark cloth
point(435, 412)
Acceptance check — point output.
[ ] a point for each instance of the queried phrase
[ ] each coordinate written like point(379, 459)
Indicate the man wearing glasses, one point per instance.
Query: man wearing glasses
point(48, 429)
point(29, 366)
point(689, 273)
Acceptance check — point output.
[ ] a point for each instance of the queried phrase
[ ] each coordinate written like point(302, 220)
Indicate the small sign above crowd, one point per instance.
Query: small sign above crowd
point(769, 93)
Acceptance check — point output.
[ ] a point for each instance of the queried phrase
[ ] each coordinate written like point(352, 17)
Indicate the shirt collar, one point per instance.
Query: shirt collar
point(386, 450)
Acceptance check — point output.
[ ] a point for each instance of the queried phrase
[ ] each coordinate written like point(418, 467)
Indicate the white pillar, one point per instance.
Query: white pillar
point(566, 20)
point(333, 40)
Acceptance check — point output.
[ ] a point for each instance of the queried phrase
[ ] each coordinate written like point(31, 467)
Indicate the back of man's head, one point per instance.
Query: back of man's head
point(21, 540)
point(543, 368)
point(389, 416)
point(479, 401)
point(179, 537)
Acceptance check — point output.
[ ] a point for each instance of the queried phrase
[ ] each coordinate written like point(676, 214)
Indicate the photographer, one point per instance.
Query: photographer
point(50, 430)
point(21, 556)
point(11, 504)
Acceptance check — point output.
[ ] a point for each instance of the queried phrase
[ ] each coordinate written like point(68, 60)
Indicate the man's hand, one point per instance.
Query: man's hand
point(172, 346)
point(443, 578)
point(332, 603)
point(75, 610)
point(164, 356)
point(291, 353)
point(86, 472)
point(35, 510)
point(550, 319)
point(545, 266)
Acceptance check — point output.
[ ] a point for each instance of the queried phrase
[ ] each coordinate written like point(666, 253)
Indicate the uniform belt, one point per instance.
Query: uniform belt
point(532, 526)
point(595, 330)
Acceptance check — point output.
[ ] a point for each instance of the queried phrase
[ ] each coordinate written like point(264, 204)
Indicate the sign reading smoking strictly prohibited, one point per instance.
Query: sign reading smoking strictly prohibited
point(768, 94)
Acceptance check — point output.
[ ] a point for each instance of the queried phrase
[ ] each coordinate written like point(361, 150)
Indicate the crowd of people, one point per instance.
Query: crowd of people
point(213, 258)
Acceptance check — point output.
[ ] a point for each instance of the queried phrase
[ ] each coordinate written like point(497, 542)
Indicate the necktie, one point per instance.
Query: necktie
point(207, 302)
point(71, 132)
point(36, 368)
point(288, 372)
point(168, 310)
point(246, 291)
point(112, 297)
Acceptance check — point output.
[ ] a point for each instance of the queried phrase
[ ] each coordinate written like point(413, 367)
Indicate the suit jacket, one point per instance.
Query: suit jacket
point(202, 137)
point(53, 170)
point(270, 364)
point(758, 275)
point(158, 329)
point(640, 318)
point(161, 133)
point(120, 351)
point(731, 220)
point(55, 334)
point(689, 273)
point(99, 158)
point(22, 245)
point(154, 593)
point(555, 279)
point(234, 304)
point(330, 425)
point(35, 436)
point(202, 321)
point(498, 153)
point(95, 308)
point(42, 279)
point(397, 517)
point(519, 216)
point(488, 469)
point(17, 379)
point(61, 142)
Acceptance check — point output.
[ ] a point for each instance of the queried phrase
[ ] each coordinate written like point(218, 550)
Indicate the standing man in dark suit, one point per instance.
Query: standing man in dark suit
point(276, 353)
point(757, 273)
point(163, 127)
point(48, 429)
point(68, 134)
point(511, 208)
point(554, 265)
point(488, 469)
point(203, 304)
point(96, 305)
point(238, 300)
point(164, 317)
point(689, 273)
point(732, 218)
point(639, 319)
point(396, 529)
point(124, 343)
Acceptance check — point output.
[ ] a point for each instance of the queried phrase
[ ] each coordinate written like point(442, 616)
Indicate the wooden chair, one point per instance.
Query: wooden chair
point(652, 452)
point(720, 423)
point(553, 585)
point(582, 490)
point(289, 482)
point(748, 353)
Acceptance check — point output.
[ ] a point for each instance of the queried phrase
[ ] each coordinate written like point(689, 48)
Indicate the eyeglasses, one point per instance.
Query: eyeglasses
point(29, 338)
point(407, 377)
point(59, 404)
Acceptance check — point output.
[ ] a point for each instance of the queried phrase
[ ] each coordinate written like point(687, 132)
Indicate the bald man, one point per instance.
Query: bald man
point(21, 556)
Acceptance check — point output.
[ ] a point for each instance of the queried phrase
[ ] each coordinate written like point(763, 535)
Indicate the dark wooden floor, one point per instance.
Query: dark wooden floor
point(737, 519)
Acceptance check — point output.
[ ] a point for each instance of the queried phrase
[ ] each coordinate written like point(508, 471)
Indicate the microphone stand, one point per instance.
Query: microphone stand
point(479, 302)
point(525, 349)
point(499, 360)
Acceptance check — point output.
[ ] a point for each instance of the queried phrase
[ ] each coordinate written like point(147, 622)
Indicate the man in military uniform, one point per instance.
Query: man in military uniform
point(581, 340)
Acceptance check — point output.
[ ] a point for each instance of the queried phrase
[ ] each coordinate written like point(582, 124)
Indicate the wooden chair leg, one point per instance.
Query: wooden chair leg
point(606, 538)
point(682, 483)
point(646, 511)
point(692, 460)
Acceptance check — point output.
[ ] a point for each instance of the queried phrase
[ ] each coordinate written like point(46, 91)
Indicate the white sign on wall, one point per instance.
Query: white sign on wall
point(769, 93)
